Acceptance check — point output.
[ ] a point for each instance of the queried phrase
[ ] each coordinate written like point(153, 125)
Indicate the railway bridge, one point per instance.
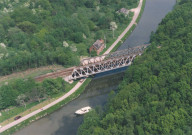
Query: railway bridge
point(98, 64)
point(107, 62)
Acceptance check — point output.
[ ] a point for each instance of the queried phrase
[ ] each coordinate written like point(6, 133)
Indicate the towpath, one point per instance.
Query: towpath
point(136, 14)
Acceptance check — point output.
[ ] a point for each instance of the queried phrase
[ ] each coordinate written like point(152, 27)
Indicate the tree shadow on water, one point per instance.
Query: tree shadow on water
point(64, 129)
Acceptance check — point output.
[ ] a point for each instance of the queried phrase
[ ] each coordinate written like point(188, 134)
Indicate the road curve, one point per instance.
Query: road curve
point(39, 110)
point(136, 14)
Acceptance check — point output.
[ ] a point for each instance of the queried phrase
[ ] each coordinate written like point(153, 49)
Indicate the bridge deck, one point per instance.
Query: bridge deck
point(106, 62)
point(115, 54)
point(98, 64)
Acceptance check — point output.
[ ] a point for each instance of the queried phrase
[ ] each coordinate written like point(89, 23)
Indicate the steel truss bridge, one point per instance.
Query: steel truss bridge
point(107, 62)
point(98, 64)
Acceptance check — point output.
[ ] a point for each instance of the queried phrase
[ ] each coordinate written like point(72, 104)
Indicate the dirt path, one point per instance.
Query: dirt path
point(136, 14)
point(30, 72)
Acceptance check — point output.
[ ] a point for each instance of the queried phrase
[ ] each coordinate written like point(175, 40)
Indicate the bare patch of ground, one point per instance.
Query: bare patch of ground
point(33, 72)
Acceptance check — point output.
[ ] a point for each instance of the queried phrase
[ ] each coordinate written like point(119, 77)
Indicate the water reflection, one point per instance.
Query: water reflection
point(63, 121)
point(154, 11)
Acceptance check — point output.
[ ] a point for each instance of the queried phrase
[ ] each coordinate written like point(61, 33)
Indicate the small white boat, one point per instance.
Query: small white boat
point(83, 110)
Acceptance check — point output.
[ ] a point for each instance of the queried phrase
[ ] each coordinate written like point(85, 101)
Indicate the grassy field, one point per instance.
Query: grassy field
point(131, 29)
point(48, 111)
point(8, 116)
point(30, 73)
point(118, 32)
point(40, 71)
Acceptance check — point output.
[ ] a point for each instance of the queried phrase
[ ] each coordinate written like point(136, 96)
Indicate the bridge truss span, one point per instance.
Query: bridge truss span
point(107, 62)
point(115, 54)
point(103, 66)
point(98, 64)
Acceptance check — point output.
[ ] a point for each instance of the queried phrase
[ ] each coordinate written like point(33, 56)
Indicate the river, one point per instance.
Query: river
point(63, 121)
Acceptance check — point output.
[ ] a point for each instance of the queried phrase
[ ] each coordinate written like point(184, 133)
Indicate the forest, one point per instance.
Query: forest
point(36, 33)
point(155, 96)
point(22, 92)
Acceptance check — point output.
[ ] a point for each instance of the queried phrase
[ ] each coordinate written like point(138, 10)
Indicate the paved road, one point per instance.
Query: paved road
point(44, 108)
point(136, 14)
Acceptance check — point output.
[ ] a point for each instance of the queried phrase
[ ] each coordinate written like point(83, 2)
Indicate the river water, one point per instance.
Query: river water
point(63, 121)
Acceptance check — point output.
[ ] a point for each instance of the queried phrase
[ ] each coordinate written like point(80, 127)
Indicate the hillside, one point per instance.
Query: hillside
point(36, 33)
point(155, 96)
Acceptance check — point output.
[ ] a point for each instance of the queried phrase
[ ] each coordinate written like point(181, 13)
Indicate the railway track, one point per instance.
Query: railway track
point(60, 73)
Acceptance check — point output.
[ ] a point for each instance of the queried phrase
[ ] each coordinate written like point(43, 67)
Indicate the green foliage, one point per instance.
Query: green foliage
point(27, 27)
point(24, 14)
point(35, 30)
point(155, 95)
point(49, 110)
point(53, 86)
point(16, 36)
point(26, 91)
point(93, 53)
point(77, 37)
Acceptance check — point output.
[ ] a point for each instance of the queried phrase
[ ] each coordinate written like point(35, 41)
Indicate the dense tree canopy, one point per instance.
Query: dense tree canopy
point(29, 91)
point(155, 96)
point(34, 30)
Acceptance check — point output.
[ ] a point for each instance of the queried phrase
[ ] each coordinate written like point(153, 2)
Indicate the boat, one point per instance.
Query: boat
point(83, 110)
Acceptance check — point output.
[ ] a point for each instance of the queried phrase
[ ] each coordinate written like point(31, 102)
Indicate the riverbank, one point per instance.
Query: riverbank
point(53, 108)
point(63, 120)
point(140, 106)
point(132, 27)
point(48, 110)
